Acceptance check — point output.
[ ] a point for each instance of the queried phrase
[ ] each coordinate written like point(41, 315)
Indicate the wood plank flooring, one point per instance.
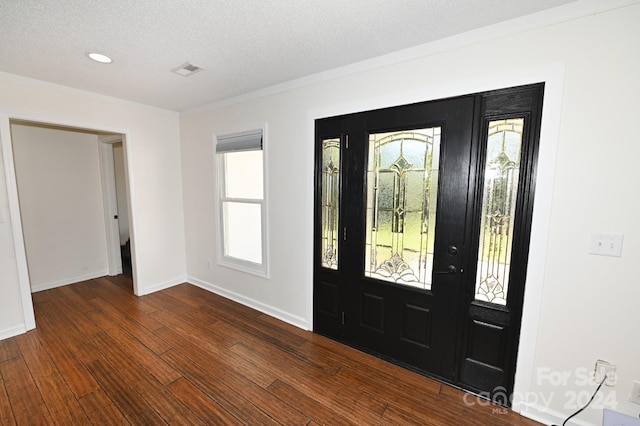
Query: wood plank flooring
point(102, 356)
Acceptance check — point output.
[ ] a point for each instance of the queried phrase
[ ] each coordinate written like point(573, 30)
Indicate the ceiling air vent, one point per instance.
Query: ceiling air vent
point(186, 69)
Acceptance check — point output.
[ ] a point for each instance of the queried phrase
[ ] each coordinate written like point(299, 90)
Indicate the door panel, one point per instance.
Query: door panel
point(422, 221)
point(391, 210)
point(416, 325)
point(373, 312)
point(500, 225)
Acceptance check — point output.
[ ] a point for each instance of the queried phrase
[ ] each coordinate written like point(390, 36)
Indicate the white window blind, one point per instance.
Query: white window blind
point(244, 141)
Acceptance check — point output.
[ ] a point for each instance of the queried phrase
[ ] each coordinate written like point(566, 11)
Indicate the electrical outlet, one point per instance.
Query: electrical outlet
point(635, 393)
point(602, 369)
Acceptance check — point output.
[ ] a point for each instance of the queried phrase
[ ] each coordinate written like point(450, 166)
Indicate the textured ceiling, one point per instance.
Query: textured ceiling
point(243, 45)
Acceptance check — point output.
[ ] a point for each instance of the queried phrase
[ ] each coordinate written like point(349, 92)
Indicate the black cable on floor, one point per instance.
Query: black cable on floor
point(587, 404)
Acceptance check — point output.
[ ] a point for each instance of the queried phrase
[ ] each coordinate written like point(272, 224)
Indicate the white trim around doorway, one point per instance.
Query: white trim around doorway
point(553, 77)
point(14, 205)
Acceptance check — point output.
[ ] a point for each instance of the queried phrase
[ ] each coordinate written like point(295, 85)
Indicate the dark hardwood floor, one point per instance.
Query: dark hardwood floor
point(100, 355)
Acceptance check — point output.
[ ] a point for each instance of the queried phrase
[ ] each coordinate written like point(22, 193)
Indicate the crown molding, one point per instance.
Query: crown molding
point(556, 15)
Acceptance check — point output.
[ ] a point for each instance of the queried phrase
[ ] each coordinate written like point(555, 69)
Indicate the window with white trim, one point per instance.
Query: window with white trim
point(241, 202)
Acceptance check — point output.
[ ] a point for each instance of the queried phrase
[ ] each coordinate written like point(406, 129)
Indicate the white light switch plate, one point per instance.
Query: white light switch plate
point(606, 244)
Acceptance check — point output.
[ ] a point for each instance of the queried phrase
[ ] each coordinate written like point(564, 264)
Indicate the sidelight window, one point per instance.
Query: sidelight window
point(502, 166)
point(330, 202)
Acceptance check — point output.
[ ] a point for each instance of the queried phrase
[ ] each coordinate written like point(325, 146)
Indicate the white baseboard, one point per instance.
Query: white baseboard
point(13, 331)
point(551, 417)
point(162, 286)
point(66, 281)
point(259, 306)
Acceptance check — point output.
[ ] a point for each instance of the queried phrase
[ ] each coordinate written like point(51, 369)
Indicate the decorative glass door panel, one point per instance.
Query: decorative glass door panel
point(402, 182)
point(504, 146)
point(330, 202)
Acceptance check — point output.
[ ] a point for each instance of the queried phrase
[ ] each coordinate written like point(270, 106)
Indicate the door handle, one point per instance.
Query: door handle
point(451, 269)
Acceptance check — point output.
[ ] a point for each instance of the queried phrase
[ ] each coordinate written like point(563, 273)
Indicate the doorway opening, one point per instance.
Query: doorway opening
point(123, 208)
point(67, 194)
point(116, 204)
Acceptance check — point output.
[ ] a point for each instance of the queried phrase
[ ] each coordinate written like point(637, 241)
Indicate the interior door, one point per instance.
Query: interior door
point(422, 226)
point(394, 286)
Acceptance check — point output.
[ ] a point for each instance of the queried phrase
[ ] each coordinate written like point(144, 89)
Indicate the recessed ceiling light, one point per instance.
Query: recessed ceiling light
point(99, 57)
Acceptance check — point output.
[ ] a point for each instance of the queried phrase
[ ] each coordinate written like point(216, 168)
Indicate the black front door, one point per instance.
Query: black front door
point(409, 257)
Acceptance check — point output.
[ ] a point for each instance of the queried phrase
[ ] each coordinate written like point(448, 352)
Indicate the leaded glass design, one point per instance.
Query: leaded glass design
point(402, 184)
point(330, 202)
point(502, 167)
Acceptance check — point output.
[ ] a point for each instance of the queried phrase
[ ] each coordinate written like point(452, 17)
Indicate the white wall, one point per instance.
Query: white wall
point(579, 307)
point(12, 315)
point(153, 162)
point(63, 222)
point(121, 192)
